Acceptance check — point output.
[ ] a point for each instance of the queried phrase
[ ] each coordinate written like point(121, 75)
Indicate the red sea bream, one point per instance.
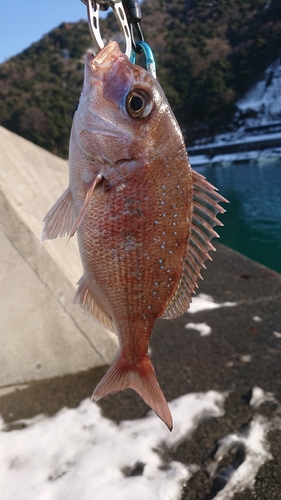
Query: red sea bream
point(143, 217)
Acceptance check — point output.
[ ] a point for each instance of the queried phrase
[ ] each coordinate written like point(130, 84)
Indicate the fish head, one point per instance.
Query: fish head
point(123, 118)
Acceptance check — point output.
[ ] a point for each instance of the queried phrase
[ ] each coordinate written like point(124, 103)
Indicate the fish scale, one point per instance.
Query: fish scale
point(143, 217)
point(127, 264)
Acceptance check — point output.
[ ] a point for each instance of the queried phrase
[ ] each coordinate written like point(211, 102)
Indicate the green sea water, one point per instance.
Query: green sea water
point(252, 222)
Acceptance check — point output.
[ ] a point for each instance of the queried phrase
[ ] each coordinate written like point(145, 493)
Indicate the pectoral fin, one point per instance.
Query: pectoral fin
point(60, 218)
point(90, 188)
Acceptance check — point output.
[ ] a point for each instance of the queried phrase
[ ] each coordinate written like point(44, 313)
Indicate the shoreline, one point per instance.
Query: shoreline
point(237, 147)
point(258, 157)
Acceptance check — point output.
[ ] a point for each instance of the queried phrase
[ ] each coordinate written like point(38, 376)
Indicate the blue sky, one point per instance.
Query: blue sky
point(23, 22)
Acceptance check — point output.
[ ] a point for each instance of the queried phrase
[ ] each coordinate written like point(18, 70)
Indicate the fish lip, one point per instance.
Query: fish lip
point(109, 54)
point(89, 120)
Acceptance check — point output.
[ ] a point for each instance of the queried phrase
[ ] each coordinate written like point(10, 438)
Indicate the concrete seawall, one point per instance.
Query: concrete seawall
point(42, 334)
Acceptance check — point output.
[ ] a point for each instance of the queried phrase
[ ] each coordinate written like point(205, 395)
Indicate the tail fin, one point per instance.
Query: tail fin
point(140, 377)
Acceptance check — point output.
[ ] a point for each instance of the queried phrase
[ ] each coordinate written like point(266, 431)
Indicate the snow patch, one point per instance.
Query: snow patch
point(259, 118)
point(246, 358)
point(203, 302)
point(257, 453)
point(257, 319)
point(265, 97)
point(259, 396)
point(202, 328)
point(79, 454)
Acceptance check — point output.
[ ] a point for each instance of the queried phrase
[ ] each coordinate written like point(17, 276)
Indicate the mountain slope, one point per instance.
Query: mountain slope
point(208, 54)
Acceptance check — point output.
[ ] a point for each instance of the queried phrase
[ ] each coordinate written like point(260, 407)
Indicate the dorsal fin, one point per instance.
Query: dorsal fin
point(84, 297)
point(205, 207)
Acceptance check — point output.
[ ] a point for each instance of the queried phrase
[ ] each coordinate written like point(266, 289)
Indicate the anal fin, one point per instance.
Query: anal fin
point(84, 297)
point(60, 218)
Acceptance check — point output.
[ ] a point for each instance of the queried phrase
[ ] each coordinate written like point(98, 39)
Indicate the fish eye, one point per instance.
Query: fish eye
point(138, 103)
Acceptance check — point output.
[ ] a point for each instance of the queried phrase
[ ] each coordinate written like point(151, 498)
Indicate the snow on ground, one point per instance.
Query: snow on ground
point(203, 302)
point(79, 454)
point(202, 328)
point(257, 453)
point(259, 396)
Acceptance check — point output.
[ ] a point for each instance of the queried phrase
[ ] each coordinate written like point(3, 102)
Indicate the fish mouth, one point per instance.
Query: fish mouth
point(104, 58)
point(96, 114)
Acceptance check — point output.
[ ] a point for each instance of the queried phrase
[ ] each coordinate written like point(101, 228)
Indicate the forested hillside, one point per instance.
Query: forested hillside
point(208, 53)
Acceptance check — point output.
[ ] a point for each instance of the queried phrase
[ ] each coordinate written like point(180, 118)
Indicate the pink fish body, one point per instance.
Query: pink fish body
point(143, 217)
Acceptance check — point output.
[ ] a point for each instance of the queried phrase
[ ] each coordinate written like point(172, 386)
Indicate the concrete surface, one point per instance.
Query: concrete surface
point(240, 354)
point(42, 334)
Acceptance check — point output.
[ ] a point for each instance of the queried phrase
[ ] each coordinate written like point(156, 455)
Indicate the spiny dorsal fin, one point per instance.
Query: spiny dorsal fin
point(60, 218)
point(205, 207)
point(84, 298)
